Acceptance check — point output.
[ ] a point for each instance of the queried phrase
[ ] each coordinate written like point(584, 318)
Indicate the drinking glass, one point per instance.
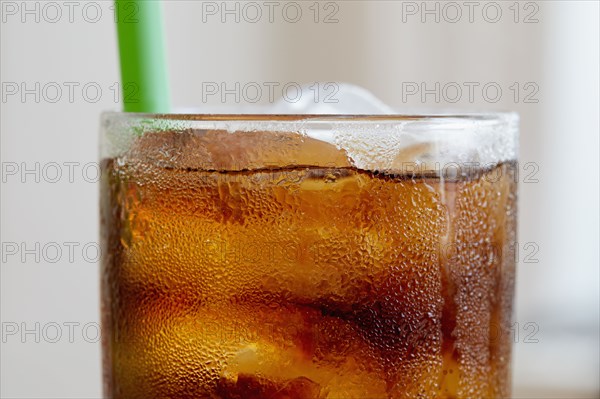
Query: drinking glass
point(308, 256)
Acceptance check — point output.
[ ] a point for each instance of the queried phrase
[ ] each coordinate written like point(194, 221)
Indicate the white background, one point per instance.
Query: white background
point(371, 45)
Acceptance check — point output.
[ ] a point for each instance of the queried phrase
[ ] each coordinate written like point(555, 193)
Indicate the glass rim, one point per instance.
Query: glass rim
point(465, 137)
point(253, 117)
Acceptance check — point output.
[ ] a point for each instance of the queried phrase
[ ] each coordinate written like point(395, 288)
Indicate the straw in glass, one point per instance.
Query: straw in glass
point(142, 54)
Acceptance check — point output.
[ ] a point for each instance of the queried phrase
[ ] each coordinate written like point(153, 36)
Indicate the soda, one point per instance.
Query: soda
point(302, 281)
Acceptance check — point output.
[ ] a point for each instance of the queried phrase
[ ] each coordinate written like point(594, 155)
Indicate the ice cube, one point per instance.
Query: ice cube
point(200, 149)
point(332, 98)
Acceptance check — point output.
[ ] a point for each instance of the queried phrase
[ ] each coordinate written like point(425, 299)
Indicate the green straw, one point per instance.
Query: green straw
point(142, 52)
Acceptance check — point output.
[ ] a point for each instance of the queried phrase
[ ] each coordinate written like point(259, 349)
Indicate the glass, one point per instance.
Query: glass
point(300, 257)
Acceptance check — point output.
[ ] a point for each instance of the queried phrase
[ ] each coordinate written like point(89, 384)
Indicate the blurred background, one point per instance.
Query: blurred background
point(59, 71)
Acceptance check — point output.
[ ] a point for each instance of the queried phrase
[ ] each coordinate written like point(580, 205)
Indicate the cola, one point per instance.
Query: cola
point(243, 265)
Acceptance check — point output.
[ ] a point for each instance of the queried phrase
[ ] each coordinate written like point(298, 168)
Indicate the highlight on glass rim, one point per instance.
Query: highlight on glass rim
point(300, 199)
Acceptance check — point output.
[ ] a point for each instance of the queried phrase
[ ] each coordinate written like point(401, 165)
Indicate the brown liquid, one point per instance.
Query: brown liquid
point(306, 283)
